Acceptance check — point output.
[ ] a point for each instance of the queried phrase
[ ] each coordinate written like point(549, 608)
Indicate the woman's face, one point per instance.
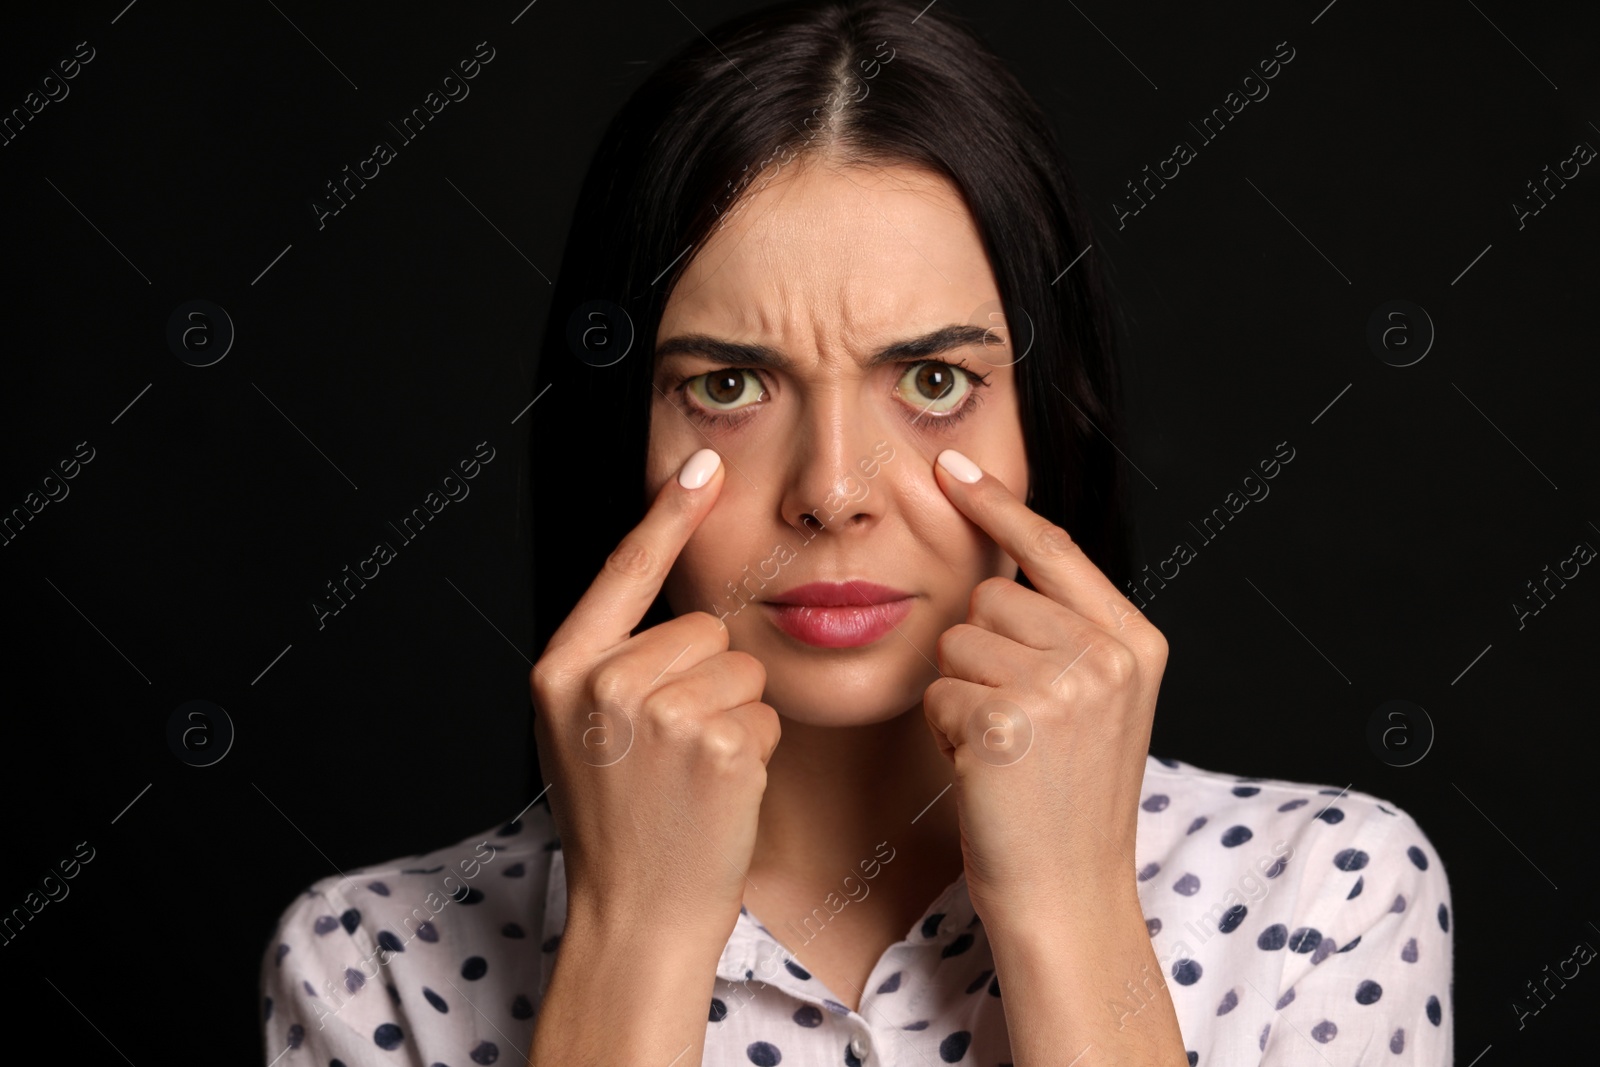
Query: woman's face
point(823, 269)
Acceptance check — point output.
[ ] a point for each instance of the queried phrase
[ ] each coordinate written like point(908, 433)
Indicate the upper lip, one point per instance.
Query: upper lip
point(838, 594)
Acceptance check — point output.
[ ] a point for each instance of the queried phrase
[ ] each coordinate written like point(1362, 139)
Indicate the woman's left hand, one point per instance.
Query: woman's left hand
point(1045, 708)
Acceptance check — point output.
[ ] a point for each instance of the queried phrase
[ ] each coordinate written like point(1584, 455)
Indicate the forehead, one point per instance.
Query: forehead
point(852, 254)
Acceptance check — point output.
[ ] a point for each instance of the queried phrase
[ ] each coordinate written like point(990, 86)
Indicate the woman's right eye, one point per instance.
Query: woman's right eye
point(721, 391)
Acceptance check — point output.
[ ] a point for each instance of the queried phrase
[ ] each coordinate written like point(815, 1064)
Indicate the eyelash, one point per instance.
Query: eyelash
point(937, 422)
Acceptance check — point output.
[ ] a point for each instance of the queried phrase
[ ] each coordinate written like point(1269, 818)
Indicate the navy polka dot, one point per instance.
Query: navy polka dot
point(1331, 815)
point(957, 947)
point(512, 930)
point(1435, 1012)
point(994, 986)
point(977, 983)
point(1155, 802)
point(930, 925)
point(1417, 858)
point(266, 1012)
point(475, 968)
point(427, 932)
point(325, 924)
point(1232, 918)
point(484, 1052)
point(1236, 835)
point(1409, 953)
point(1352, 944)
point(521, 1007)
point(1350, 859)
point(1229, 1001)
point(1304, 939)
point(1194, 1058)
point(435, 999)
point(1285, 1000)
point(1186, 972)
point(1397, 1043)
point(1198, 822)
point(1355, 890)
point(1273, 937)
point(808, 1015)
point(763, 1054)
point(1148, 871)
point(387, 940)
point(1368, 992)
point(516, 870)
point(297, 1034)
point(1298, 802)
point(388, 1036)
point(1444, 918)
point(952, 1048)
point(378, 888)
point(719, 1011)
point(890, 984)
point(350, 920)
point(1245, 791)
point(1153, 926)
point(1325, 1031)
point(1188, 885)
point(795, 969)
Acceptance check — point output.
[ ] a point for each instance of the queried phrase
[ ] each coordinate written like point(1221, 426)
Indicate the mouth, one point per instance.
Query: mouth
point(838, 614)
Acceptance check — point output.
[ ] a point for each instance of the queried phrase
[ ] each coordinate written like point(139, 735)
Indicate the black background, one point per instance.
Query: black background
point(374, 353)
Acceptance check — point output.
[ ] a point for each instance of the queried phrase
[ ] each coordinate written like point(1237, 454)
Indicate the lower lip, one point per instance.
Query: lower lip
point(847, 627)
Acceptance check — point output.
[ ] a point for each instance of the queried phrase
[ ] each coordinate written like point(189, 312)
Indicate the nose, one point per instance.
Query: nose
point(830, 481)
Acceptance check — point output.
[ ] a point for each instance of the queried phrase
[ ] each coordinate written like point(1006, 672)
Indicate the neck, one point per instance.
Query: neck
point(838, 797)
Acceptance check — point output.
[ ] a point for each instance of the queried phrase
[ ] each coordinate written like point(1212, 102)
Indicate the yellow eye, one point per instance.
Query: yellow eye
point(721, 390)
point(935, 387)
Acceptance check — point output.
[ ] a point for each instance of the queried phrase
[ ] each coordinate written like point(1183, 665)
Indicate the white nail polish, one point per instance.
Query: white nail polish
point(959, 465)
point(699, 469)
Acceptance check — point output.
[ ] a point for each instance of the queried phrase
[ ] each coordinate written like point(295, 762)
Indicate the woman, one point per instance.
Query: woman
point(842, 717)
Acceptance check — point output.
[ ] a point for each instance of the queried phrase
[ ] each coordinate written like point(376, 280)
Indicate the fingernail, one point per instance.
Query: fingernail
point(698, 470)
point(959, 465)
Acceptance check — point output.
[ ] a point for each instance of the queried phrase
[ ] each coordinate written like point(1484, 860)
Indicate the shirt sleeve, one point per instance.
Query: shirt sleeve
point(1370, 967)
point(324, 996)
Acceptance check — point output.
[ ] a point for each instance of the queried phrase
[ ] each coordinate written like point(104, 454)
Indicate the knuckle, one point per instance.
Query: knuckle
point(631, 559)
point(722, 743)
point(986, 591)
point(1049, 542)
point(608, 683)
point(665, 708)
point(1119, 663)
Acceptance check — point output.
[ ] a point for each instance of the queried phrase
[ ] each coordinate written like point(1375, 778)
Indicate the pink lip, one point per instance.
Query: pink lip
point(846, 627)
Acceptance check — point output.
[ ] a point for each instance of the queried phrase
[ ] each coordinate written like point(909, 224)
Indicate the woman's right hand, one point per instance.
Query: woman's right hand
point(654, 746)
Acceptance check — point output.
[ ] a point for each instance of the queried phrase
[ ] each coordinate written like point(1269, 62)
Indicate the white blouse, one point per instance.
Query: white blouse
point(1295, 925)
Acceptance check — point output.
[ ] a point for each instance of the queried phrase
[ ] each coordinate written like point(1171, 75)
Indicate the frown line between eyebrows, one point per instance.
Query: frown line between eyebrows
point(735, 353)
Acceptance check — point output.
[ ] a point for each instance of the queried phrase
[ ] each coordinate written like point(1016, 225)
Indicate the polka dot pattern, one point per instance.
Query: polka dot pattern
point(1283, 915)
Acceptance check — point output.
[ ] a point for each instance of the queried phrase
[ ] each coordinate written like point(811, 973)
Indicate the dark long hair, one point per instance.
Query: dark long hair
point(870, 81)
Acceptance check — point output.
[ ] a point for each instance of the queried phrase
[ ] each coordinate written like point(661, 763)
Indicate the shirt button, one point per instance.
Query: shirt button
point(859, 1048)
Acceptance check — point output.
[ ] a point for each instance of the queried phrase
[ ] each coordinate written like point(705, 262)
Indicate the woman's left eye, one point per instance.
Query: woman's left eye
point(938, 388)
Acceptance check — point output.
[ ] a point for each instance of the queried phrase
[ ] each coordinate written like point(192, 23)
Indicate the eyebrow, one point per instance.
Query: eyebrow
point(735, 353)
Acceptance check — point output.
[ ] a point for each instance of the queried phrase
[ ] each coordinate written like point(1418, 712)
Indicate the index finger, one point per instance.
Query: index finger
point(1047, 554)
point(621, 594)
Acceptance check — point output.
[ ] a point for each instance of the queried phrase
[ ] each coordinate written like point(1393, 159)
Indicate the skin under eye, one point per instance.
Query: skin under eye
point(940, 393)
